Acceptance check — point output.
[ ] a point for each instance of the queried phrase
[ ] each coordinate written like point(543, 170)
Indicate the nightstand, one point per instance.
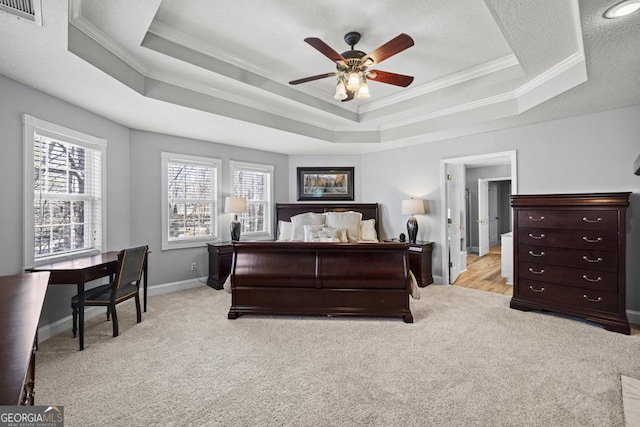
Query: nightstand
point(220, 258)
point(420, 262)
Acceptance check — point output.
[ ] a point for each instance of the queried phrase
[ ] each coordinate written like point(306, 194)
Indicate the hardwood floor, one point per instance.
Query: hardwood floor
point(483, 273)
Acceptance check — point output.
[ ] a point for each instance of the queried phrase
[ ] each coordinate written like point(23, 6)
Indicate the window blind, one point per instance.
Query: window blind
point(67, 197)
point(253, 182)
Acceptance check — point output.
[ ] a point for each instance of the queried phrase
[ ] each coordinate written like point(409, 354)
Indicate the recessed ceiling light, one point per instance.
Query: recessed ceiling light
point(622, 9)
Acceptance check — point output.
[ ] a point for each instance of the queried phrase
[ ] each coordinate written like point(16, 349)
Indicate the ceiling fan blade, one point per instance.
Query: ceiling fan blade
point(325, 49)
point(312, 78)
point(388, 49)
point(349, 97)
point(389, 78)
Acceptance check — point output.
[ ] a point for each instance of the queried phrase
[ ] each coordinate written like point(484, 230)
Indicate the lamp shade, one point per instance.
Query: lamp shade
point(235, 205)
point(412, 206)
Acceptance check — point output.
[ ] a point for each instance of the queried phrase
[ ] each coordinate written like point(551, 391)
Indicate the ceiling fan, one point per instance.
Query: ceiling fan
point(353, 66)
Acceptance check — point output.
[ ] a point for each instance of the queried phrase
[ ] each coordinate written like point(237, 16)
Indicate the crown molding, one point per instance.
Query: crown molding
point(167, 32)
point(444, 82)
point(290, 113)
point(105, 41)
point(551, 73)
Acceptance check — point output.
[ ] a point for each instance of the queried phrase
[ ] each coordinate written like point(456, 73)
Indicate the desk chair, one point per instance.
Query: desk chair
point(126, 285)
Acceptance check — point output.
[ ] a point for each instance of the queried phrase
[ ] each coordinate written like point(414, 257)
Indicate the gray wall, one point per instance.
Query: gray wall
point(133, 187)
point(146, 218)
point(16, 99)
point(589, 153)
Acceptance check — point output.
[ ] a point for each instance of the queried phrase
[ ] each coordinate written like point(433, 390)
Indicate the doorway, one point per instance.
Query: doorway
point(457, 225)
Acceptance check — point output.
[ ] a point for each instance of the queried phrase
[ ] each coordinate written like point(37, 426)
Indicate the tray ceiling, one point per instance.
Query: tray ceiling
point(219, 71)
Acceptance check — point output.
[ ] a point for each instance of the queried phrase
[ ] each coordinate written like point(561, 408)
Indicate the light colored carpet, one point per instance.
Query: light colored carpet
point(467, 360)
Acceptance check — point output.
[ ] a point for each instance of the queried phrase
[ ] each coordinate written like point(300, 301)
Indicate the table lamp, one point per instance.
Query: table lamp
point(235, 205)
point(412, 207)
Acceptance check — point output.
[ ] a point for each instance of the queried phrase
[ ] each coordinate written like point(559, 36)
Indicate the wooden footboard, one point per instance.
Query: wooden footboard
point(355, 279)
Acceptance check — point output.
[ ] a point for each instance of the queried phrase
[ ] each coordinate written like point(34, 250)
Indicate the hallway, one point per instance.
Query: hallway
point(483, 273)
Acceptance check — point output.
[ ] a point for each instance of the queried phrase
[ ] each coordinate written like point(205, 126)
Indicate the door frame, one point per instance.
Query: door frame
point(479, 159)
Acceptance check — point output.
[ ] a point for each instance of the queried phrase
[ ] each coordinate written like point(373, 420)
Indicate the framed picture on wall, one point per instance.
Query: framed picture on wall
point(325, 183)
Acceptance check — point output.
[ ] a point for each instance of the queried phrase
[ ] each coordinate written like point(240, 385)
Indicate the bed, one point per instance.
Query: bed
point(321, 277)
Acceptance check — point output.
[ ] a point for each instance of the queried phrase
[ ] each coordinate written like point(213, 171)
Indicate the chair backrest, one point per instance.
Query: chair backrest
point(130, 265)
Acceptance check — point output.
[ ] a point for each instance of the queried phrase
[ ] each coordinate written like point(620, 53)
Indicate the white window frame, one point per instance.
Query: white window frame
point(31, 127)
point(190, 242)
point(268, 170)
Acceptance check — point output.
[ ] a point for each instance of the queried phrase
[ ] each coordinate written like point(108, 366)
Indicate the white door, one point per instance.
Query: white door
point(483, 217)
point(455, 197)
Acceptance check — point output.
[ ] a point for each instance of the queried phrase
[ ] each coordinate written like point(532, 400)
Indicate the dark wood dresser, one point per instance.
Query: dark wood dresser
point(21, 299)
point(569, 256)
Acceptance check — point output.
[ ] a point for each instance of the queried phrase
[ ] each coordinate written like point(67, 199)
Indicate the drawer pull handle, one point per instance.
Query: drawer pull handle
point(533, 236)
point(536, 272)
point(588, 279)
point(585, 219)
point(535, 254)
point(586, 258)
point(586, 239)
point(536, 290)
point(536, 219)
point(592, 300)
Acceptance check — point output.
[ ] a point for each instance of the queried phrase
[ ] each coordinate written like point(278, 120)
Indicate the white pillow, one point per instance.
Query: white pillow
point(368, 230)
point(319, 233)
point(299, 221)
point(284, 230)
point(349, 220)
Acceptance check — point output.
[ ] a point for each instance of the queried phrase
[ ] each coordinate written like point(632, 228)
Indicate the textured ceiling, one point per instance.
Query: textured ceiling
point(219, 71)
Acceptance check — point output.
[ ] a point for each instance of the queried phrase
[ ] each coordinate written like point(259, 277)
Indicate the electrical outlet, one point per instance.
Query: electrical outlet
point(193, 266)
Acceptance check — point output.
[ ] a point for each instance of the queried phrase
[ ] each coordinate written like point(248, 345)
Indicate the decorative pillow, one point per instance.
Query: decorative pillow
point(368, 230)
point(349, 220)
point(284, 230)
point(342, 235)
point(318, 233)
point(299, 221)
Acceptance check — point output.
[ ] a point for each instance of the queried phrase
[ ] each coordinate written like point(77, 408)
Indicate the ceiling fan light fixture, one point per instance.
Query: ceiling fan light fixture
point(353, 81)
point(341, 92)
point(621, 9)
point(363, 92)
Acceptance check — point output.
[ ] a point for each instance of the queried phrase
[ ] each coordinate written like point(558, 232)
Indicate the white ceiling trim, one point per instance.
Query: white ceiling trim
point(105, 41)
point(562, 67)
point(480, 103)
point(290, 113)
point(167, 32)
point(445, 82)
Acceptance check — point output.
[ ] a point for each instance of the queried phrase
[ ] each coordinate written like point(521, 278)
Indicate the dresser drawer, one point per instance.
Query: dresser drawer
point(566, 295)
point(569, 219)
point(600, 240)
point(575, 258)
point(598, 280)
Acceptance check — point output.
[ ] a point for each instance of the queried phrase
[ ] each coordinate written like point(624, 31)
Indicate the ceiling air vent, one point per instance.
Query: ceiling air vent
point(29, 10)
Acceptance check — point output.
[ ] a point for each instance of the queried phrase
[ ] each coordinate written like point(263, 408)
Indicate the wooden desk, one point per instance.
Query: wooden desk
point(79, 271)
point(21, 299)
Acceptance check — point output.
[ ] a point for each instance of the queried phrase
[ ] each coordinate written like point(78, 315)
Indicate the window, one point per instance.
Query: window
point(64, 187)
point(189, 200)
point(255, 183)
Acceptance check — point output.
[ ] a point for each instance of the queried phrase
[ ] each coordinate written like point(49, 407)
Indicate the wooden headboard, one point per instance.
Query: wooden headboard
point(284, 211)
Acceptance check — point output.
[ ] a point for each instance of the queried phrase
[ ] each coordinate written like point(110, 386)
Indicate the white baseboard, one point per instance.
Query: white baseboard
point(59, 326)
point(634, 316)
